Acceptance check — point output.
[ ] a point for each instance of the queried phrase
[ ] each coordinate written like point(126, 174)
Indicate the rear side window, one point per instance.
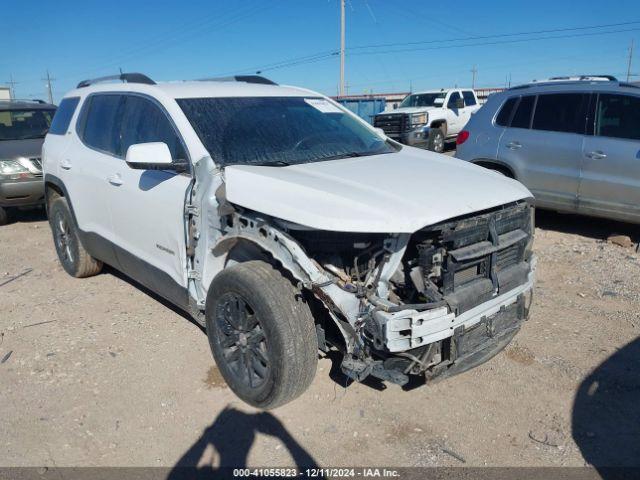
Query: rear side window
point(522, 117)
point(469, 98)
point(62, 118)
point(618, 116)
point(102, 123)
point(144, 122)
point(502, 119)
point(561, 112)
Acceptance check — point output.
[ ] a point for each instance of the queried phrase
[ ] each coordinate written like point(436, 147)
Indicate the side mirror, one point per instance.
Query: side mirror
point(149, 156)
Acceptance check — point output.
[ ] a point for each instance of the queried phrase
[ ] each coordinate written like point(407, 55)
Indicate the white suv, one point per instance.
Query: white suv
point(285, 224)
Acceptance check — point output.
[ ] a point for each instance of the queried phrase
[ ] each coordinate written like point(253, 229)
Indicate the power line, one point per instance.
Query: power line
point(501, 35)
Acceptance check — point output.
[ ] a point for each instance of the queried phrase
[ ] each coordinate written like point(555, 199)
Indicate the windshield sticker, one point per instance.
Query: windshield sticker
point(323, 105)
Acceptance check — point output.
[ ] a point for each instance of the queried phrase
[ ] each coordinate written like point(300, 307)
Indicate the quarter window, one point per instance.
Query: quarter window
point(144, 122)
point(102, 123)
point(522, 117)
point(561, 112)
point(502, 119)
point(62, 118)
point(618, 116)
point(469, 98)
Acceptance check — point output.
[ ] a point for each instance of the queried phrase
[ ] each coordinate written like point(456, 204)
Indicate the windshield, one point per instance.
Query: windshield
point(24, 124)
point(279, 131)
point(423, 100)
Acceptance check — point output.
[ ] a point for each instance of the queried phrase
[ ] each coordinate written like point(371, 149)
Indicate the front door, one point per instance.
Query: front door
point(610, 182)
point(147, 206)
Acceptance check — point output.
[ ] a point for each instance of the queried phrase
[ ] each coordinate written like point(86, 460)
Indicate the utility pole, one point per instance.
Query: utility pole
point(12, 86)
point(630, 58)
point(342, 42)
point(49, 87)
point(474, 70)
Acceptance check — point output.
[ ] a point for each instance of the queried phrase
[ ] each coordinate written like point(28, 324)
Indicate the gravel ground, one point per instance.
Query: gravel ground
point(98, 372)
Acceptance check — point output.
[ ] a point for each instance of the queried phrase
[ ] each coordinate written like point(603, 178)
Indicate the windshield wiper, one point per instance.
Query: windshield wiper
point(344, 155)
point(274, 163)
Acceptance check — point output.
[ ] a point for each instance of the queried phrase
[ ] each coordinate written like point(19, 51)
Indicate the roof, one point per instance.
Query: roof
point(199, 89)
point(574, 85)
point(25, 105)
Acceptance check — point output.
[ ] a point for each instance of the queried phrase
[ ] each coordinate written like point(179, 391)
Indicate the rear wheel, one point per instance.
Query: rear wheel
point(261, 333)
point(435, 141)
point(72, 255)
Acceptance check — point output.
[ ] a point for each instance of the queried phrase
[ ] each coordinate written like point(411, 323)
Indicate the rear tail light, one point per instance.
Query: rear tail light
point(462, 137)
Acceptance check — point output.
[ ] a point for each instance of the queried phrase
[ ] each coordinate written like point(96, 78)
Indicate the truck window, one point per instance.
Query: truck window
point(504, 115)
point(62, 118)
point(469, 98)
point(522, 117)
point(102, 123)
point(144, 122)
point(455, 96)
point(618, 116)
point(561, 112)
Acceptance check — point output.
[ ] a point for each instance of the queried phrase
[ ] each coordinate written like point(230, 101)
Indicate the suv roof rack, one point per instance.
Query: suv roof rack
point(580, 78)
point(123, 77)
point(241, 78)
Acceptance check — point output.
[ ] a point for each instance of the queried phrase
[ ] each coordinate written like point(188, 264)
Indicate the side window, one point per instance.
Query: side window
point(522, 117)
point(504, 115)
point(469, 98)
point(618, 116)
point(561, 112)
point(62, 117)
point(455, 96)
point(145, 122)
point(102, 123)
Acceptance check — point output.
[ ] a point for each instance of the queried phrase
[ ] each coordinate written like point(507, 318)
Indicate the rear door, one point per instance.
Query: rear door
point(147, 206)
point(543, 145)
point(611, 167)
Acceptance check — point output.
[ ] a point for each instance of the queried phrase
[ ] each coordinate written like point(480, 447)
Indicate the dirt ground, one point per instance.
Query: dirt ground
point(98, 372)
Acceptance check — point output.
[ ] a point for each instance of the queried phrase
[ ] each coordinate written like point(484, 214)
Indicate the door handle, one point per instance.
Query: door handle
point(115, 180)
point(514, 145)
point(65, 164)
point(596, 155)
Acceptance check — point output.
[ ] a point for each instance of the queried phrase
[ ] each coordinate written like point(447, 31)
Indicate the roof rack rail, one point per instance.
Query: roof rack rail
point(241, 78)
point(580, 78)
point(123, 77)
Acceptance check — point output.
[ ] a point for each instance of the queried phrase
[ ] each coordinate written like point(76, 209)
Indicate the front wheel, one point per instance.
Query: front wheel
point(262, 334)
point(435, 141)
point(5, 216)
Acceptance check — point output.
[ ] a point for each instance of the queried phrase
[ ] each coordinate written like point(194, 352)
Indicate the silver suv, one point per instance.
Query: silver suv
point(23, 125)
point(574, 142)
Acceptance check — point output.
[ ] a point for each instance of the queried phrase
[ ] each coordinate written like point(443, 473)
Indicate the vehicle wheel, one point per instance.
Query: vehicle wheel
point(261, 333)
point(72, 255)
point(436, 140)
point(5, 216)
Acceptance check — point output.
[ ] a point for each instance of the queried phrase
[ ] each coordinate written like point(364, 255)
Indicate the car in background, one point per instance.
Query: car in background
point(23, 126)
point(427, 119)
point(574, 142)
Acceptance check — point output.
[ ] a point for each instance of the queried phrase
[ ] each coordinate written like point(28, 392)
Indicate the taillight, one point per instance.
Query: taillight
point(462, 137)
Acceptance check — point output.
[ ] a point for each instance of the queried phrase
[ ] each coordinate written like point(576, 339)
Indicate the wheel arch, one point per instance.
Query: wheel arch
point(441, 124)
point(496, 165)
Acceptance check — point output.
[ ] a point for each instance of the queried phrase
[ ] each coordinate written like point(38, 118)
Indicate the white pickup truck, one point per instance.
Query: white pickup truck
point(427, 119)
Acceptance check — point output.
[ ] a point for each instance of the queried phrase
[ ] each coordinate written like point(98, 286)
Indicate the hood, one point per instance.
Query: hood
point(10, 149)
point(409, 110)
point(392, 193)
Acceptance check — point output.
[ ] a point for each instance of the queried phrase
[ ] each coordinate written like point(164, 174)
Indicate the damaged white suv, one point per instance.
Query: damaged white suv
point(286, 225)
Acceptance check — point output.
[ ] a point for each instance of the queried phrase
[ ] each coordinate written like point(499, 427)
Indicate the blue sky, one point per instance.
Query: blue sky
point(175, 40)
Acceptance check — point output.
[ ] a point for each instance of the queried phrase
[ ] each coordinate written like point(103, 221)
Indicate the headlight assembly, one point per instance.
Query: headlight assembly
point(14, 169)
point(418, 119)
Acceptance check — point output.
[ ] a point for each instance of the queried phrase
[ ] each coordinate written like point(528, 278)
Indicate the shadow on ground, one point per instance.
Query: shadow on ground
point(606, 412)
point(226, 443)
point(28, 215)
point(597, 228)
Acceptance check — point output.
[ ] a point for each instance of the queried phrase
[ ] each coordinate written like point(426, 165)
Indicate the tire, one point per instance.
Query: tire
point(5, 216)
point(435, 142)
point(72, 255)
point(262, 334)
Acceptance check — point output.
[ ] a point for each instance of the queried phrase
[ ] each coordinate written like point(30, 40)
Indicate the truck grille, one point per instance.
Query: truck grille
point(393, 124)
point(472, 259)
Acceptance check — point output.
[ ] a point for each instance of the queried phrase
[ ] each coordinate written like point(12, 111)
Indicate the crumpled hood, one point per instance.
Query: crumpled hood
point(409, 110)
point(391, 193)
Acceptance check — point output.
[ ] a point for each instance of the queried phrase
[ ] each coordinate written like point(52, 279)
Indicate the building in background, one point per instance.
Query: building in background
point(5, 93)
